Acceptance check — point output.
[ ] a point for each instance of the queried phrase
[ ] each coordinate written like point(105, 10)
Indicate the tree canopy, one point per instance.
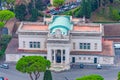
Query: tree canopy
point(20, 11)
point(58, 3)
point(6, 15)
point(91, 77)
point(32, 65)
point(1, 25)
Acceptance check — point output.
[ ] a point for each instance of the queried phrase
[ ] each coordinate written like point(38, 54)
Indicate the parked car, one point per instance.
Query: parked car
point(99, 66)
point(5, 66)
point(81, 65)
point(2, 78)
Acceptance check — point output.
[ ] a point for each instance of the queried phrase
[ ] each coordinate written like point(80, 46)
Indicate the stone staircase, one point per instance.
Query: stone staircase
point(58, 67)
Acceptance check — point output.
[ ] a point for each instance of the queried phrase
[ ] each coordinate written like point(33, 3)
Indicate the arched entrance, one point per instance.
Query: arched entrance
point(58, 56)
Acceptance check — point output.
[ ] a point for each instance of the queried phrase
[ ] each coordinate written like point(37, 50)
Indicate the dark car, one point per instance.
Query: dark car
point(5, 66)
point(81, 65)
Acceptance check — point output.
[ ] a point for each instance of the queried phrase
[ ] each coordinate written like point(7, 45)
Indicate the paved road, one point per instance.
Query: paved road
point(107, 73)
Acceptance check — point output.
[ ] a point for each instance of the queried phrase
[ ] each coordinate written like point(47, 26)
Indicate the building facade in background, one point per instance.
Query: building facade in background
point(64, 40)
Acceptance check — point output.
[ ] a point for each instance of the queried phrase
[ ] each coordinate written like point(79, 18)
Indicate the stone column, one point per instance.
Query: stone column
point(54, 56)
point(49, 55)
point(67, 55)
point(61, 56)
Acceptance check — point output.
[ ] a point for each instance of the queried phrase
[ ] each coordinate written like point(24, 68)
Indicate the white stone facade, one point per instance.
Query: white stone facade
point(63, 46)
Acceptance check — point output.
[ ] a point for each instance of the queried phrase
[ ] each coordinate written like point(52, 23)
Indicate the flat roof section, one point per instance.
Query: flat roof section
point(87, 28)
point(34, 27)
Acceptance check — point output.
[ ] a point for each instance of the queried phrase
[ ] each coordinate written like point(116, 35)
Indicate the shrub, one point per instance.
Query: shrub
point(47, 75)
point(91, 77)
point(118, 76)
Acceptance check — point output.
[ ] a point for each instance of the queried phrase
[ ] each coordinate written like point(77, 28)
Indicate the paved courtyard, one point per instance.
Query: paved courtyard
point(109, 73)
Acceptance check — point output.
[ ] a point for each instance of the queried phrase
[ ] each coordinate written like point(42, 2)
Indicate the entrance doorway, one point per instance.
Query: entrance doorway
point(73, 59)
point(58, 56)
point(95, 60)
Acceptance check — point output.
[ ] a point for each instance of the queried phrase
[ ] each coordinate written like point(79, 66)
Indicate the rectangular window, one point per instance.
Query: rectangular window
point(63, 52)
point(34, 44)
point(95, 46)
point(31, 46)
point(84, 58)
point(45, 44)
point(88, 45)
point(63, 58)
point(79, 58)
point(81, 46)
point(23, 44)
point(73, 45)
point(84, 45)
point(38, 44)
point(88, 58)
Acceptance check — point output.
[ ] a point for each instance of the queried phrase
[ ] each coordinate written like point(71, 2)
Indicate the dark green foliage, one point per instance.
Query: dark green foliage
point(86, 8)
point(48, 64)
point(47, 75)
point(40, 5)
point(58, 3)
point(91, 77)
point(2, 24)
point(2, 51)
point(5, 40)
point(89, 6)
point(20, 11)
point(114, 14)
point(34, 15)
point(118, 76)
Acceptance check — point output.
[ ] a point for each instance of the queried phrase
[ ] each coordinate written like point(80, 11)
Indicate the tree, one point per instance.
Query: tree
point(91, 77)
point(20, 11)
point(47, 75)
point(58, 3)
point(6, 15)
point(35, 14)
point(40, 5)
point(86, 8)
point(118, 76)
point(32, 65)
point(5, 40)
point(1, 25)
point(114, 14)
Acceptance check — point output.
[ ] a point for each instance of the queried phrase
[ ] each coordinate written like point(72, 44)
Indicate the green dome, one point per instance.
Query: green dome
point(60, 22)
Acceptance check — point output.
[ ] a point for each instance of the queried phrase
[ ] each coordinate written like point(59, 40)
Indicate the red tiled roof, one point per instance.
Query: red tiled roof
point(112, 29)
point(12, 46)
point(115, 39)
point(10, 24)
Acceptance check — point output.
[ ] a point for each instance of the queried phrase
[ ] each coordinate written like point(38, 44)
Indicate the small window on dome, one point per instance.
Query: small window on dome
point(63, 32)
